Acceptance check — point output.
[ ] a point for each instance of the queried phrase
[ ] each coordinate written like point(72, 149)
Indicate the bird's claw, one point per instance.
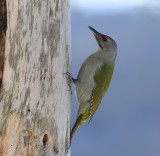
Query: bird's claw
point(69, 79)
point(69, 76)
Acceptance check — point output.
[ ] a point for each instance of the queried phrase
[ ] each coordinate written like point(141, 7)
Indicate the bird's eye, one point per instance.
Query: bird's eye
point(104, 39)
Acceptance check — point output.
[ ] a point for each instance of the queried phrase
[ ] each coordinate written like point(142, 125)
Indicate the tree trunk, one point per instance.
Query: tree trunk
point(35, 96)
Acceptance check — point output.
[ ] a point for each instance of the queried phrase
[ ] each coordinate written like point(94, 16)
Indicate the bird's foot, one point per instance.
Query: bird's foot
point(69, 77)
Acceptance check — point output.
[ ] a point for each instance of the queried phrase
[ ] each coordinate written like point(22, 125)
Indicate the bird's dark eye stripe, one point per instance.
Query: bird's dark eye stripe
point(104, 38)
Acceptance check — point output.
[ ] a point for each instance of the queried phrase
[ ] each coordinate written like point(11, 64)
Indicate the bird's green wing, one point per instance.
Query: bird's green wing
point(102, 79)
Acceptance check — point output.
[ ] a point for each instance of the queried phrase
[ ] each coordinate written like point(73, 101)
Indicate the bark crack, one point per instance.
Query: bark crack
point(3, 27)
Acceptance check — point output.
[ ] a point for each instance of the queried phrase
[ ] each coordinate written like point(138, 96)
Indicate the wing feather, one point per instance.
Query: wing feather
point(102, 79)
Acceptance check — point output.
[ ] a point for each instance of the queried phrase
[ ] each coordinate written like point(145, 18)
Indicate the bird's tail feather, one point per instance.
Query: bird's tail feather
point(76, 125)
point(80, 120)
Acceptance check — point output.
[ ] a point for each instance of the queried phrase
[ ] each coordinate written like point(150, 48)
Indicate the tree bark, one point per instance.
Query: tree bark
point(35, 96)
point(3, 26)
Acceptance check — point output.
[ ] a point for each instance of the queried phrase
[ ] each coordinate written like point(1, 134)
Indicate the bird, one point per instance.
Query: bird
point(94, 78)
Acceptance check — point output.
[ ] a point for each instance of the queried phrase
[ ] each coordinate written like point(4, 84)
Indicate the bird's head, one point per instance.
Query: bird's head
point(104, 42)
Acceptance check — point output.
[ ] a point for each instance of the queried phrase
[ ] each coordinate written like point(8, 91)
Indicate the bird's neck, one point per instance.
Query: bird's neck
point(107, 55)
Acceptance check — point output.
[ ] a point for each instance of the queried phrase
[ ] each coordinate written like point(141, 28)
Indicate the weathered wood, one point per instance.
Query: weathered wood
point(3, 26)
point(35, 96)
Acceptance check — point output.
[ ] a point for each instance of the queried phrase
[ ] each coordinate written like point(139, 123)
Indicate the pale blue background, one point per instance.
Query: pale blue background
point(127, 122)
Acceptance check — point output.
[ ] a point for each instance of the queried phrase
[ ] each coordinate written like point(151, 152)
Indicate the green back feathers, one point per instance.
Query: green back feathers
point(102, 79)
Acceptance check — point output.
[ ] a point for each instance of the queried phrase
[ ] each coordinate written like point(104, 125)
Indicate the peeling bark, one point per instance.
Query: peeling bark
point(34, 98)
point(3, 27)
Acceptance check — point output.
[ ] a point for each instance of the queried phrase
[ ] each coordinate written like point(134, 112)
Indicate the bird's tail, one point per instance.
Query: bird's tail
point(80, 120)
point(76, 125)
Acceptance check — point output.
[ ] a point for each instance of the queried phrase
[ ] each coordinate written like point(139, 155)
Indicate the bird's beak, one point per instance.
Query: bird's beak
point(97, 35)
point(95, 32)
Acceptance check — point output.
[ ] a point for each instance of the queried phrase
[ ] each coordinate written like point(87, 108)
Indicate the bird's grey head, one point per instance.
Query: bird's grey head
point(104, 42)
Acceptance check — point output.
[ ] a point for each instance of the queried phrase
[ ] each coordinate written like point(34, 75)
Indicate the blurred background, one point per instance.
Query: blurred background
point(127, 122)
